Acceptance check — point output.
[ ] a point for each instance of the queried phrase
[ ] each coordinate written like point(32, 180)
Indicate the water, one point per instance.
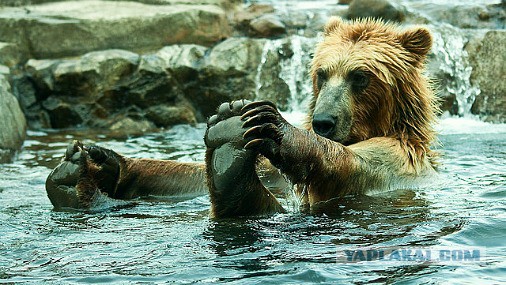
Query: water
point(175, 241)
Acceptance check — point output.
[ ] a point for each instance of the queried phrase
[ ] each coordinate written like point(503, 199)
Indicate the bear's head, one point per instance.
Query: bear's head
point(368, 81)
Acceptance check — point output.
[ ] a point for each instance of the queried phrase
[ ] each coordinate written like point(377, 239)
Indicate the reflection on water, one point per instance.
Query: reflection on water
point(174, 241)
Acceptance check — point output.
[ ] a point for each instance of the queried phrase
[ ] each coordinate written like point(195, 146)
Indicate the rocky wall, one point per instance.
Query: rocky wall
point(12, 120)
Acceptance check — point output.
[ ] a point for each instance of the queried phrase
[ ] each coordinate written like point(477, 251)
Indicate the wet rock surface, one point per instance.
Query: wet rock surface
point(460, 14)
point(489, 70)
point(10, 54)
point(267, 26)
point(12, 120)
point(176, 84)
point(98, 25)
point(95, 90)
point(381, 9)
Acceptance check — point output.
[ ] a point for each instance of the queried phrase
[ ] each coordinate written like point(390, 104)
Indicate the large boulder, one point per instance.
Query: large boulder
point(267, 26)
point(227, 73)
point(376, 9)
point(487, 58)
point(182, 61)
point(68, 90)
point(245, 16)
point(476, 15)
point(234, 69)
point(123, 91)
point(114, 89)
point(26, 2)
point(92, 73)
point(12, 122)
point(165, 116)
point(98, 25)
point(10, 54)
point(227, 4)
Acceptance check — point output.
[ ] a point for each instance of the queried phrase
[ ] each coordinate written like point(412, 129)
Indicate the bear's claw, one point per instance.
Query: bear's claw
point(264, 122)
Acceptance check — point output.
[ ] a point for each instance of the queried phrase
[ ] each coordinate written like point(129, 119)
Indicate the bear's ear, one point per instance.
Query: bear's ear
point(332, 24)
point(417, 41)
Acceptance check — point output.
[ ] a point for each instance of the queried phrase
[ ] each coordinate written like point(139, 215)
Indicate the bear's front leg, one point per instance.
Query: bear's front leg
point(234, 186)
point(291, 150)
point(86, 174)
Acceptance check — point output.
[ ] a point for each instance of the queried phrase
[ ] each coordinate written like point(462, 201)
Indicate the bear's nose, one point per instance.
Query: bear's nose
point(324, 124)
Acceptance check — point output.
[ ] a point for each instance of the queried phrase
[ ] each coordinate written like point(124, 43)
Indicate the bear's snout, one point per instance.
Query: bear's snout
point(324, 124)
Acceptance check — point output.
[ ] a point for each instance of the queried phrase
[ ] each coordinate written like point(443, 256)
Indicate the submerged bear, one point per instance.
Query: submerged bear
point(369, 128)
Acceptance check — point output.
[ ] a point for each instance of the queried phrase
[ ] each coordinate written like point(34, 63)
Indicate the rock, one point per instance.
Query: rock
point(129, 126)
point(466, 16)
point(93, 72)
point(10, 54)
point(245, 16)
point(226, 4)
point(4, 70)
point(177, 84)
point(68, 92)
point(164, 116)
point(375, 9)
point(98, 25)
point(63, 114)
point(12, 122)
point(182, 61)
point(84, 76)
point(487, 60)
point(267, 26)
point(103, 89)
point(227, 74)
point(25, 2)
point(235, 56)
point(32, 88)
point(296, 21)
point(148, 85)
point(23, 89)
point(344, 2)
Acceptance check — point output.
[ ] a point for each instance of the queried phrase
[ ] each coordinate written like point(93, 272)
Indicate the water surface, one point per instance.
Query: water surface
point(175, 241)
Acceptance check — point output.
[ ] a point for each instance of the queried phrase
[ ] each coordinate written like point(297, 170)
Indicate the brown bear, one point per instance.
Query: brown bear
point(369, 128)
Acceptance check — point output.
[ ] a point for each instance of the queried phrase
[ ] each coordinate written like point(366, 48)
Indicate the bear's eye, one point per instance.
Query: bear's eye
point(359, 80)
point(321, 77)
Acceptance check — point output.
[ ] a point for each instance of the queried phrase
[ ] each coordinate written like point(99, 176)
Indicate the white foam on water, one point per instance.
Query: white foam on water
point(468, 125)
point(295, 118)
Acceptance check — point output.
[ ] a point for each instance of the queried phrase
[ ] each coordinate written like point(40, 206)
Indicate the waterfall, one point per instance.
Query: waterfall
point(292, 66)
point(295, 72)
point(268, 46)
point(453, 62)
